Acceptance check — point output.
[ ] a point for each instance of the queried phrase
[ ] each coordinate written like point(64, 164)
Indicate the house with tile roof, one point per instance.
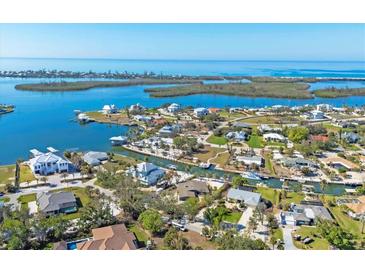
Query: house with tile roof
point(114, 237)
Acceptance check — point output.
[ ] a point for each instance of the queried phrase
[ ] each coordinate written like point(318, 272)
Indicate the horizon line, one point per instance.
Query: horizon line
point(180, 60)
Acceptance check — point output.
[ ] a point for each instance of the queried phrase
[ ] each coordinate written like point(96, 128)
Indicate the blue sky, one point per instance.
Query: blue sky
point(185, 41)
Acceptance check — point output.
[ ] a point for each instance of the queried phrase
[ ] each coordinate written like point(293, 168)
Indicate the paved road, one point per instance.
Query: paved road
point(288, 239)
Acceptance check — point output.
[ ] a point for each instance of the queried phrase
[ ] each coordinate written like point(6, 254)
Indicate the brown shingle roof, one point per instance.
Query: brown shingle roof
point(191, 189)
point(114, 237)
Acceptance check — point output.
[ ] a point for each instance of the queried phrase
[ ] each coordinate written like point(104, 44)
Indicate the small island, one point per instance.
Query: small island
point(254, 89)
point(85, 85)
point(339, 92)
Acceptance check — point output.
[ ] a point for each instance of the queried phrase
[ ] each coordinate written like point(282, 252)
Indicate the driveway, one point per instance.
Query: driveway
point(288, 239)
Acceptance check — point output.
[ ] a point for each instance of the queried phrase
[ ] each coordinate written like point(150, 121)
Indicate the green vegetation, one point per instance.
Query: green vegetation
point(318, 243)
point(255, 89)
point(232, 217)
point(221, 160)
point(297, 134)
point(151, 220)
point(217, 140)
point(207, 153)
point(26, 174)
point(346, 222)
point(7, 174)
point(5, 199)
point(85, 85)
point(276, 196)
point(255, 141)
point(27, 198)
point(339, 92)
point(278, 234)
point(141, 236)
point(269, 194)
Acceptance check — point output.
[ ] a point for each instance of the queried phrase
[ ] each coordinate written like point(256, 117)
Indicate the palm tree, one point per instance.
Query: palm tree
point(64, 176)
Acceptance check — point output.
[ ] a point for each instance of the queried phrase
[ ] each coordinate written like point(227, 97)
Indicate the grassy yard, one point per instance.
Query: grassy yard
point(312, 232)
point(25, 199)
point(217, 140)
point(268, 164)
point(208, 152)
point(26, 174)
point(221, 160)
point(272, 195)
point(141, 236)
point(269, 194)
point(278, 234)
point(255, 141)
point(346, 222)
point(7, 174)
point(232, 217)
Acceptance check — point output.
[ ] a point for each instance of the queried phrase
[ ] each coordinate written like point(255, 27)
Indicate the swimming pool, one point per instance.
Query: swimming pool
point(73, 245)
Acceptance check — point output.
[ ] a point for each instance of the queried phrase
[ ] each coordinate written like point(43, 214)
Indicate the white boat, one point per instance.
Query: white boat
point(251, 175)
point(205, 165)
point(171, 166)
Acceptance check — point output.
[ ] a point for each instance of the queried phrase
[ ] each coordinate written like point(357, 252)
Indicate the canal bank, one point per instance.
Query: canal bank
point(330, 189)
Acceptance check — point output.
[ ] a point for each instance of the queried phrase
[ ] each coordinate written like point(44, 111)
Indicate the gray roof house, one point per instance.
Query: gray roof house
point(57, 202)
point(191, 189)
point(304, 215)
point(298, 162)
point(94, 158)
point(248, 197)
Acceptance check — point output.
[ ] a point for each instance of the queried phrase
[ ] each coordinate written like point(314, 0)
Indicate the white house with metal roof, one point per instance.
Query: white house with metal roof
point(249, 198)
point(147, 173)
point(48, 163)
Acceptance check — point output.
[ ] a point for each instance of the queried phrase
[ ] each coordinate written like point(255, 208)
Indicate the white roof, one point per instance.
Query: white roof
point(274, 136)
point(46, 158)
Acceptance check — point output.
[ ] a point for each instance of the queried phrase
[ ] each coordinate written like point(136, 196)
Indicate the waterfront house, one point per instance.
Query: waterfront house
point(56, 202)
point(304, 214)
point(142, 118)
point(114, 237)
point(109, 109)
point(351, 137)
point(324, 107)
point(136, 107)
point(319, 138)
point(147, 173)
point(315, 115)
point(118, 140)
point(250, 160)
point(338, 162)
point(48, 163)
point(169, 130)
point(298, 163)
point(237, 136)
point(173, 108)
point(191, 189)
point(95, 158)
point(200, 112)
point(251, 199)
point(214, 110)
point(274, 137)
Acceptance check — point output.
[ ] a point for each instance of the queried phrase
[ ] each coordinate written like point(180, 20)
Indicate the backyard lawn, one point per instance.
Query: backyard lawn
point(346, 222)
point(221, 160)
point(272, 195)
point(312, 232)
point(255, 141)
point(208, 152)
point(232, 217)
point(141, 236)
point(217, 140)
